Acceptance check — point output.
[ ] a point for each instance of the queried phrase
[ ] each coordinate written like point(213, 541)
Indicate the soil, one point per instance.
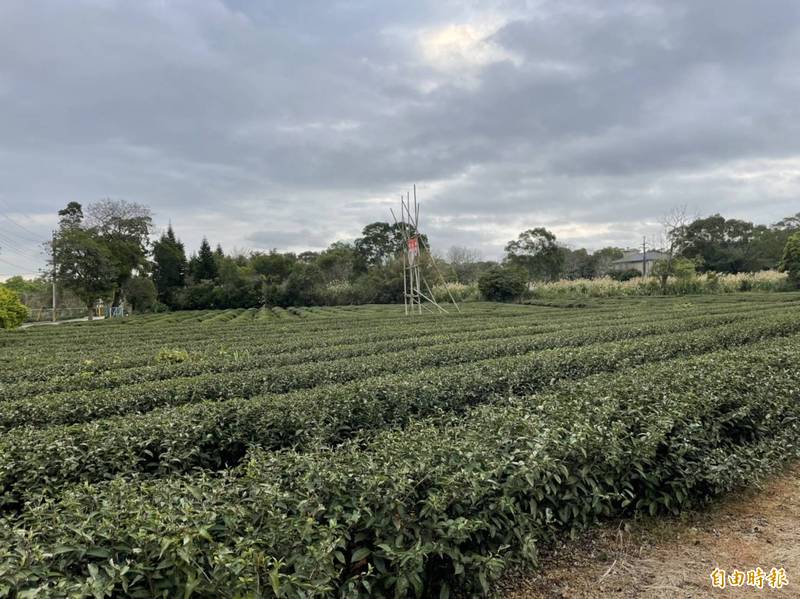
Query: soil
point(674, 557)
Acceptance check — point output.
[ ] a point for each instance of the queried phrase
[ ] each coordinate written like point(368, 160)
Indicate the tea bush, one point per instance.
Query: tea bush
point(355, 452)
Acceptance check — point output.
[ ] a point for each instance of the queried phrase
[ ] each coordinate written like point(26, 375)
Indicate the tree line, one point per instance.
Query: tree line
point(106, 252)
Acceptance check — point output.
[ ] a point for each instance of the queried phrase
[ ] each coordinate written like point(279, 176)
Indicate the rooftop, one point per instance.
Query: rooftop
point(649, 256)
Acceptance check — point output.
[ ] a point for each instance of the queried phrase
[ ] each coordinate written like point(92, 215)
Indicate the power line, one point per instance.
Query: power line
point(18, 238)
point(19, 241)
point(37, 236)
point(13, 249)
point(23, 268)
point(31, 238)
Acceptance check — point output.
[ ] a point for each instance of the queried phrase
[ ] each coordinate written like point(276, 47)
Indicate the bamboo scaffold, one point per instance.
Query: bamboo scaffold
point(415, 249)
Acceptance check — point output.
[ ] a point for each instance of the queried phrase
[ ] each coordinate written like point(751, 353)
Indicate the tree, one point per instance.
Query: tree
point(381, 285)
point(465, 263)
point(719, 244)
point(379, 242)
point(140, 293)
point(337, 262)
point(308, 257)
point(681, 268)
point(791, 260)
point(12, 312)
point(537, 252)
point(22, 286)
point(205, 265)
point(769, 242)
point(84, 264)
point(169, 267)
point(302, 285)
point(83, 260)
point(673, 225)
point(71, 216)
point(273, 267)
point(578, 264)
point(503, 283)
point(124, 228)
point(603, 258)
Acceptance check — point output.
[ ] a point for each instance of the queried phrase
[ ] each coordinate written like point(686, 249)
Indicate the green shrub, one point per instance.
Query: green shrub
point(625, 275)
point(171, 356)
point(446, 504)
point(503, 283)
point(791, 260)
point(141, 293)
point(12, 312)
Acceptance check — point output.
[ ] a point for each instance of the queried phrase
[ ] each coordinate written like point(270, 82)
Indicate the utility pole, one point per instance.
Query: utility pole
point(644, 256)
point(54, 276)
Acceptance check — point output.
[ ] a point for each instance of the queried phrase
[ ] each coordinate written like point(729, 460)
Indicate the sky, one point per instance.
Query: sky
point(289, 125)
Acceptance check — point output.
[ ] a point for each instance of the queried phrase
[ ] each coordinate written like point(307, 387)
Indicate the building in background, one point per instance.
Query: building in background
point(634, 260)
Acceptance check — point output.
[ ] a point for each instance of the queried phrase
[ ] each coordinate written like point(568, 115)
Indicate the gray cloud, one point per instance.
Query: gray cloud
point(291, 124)
point(289, 240)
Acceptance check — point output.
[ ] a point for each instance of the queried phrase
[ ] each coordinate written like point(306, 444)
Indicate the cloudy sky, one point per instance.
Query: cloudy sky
point(267, 124)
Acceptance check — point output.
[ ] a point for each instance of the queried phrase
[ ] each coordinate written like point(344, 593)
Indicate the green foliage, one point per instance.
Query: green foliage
point(791, 260)
point(537, 252)
point(84, 264)
point(169, 267)
point(141, 293)
point(444, 503)
point(203, 267)
point(679, 267)
point(171, 356)
point(96, 257)
point(21, 286)
point(379, 243)
point(355, 452)
point(503, 284)
point(12, 312)
point(625, 275)
point(302, 284)
point(124, 229)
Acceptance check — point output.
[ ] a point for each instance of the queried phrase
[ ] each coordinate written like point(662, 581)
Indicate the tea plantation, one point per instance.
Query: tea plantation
point(357, 452)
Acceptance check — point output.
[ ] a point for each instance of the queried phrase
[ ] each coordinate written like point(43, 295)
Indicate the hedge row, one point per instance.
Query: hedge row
point(77, 407)
point(109, 338)
point(117, 351)
point(428, 509)
point(215, 435)
point(25, 381)
point(245, 360)
point(220, 322)
point(119, 348)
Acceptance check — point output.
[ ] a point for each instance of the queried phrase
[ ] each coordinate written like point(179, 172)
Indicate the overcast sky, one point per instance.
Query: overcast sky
point(292, 124)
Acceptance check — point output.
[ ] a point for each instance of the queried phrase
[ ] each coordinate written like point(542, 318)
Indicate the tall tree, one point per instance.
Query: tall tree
point(205, 268)
point(719, 244)
point(578, 264)
point(673, 225)
point(124, 227)
point(273, 267)
point(791, 260)
point(169, 267)
point(465, 263)
point(603, 258)
point(83, 261)
point(337, 262)
point(379, 241)
point(537, 251)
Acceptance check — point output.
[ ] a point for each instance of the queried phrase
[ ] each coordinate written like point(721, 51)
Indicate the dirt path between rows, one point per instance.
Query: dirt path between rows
point(757, 528)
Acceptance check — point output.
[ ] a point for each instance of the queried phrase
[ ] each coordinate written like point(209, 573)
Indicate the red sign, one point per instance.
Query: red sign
point(413, 249)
